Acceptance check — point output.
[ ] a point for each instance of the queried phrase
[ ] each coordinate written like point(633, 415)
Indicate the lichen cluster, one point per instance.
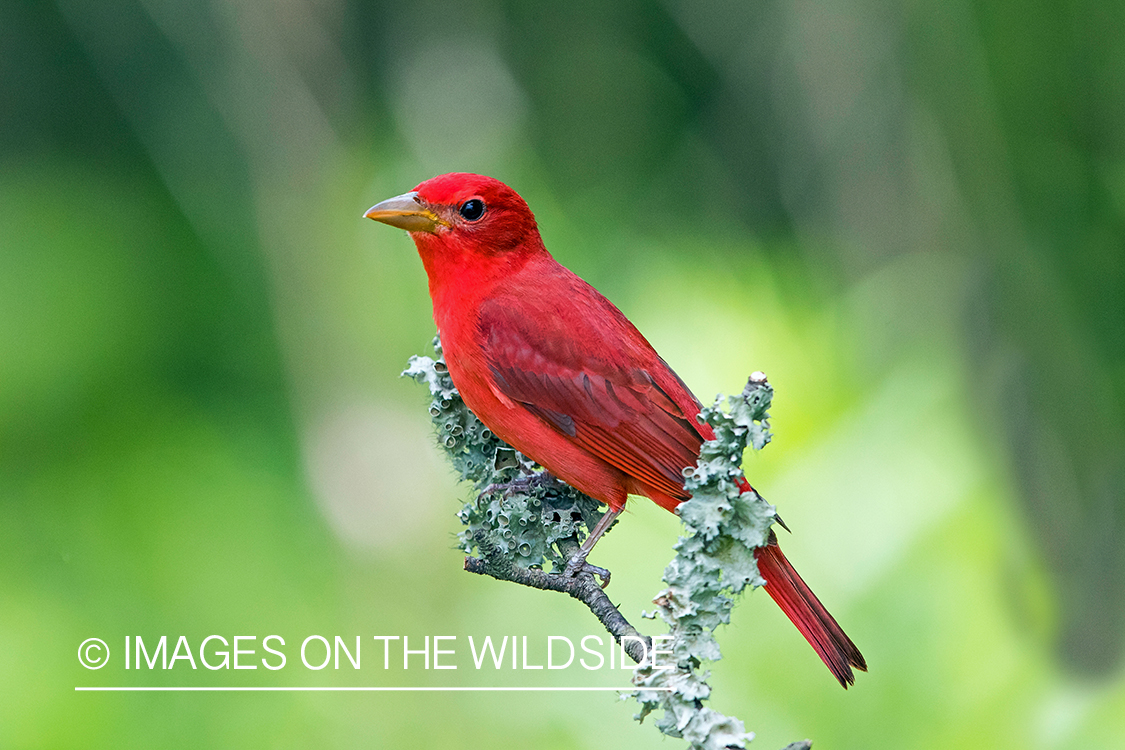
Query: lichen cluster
point(520, 509)
point(714, 561)
point(524, 514)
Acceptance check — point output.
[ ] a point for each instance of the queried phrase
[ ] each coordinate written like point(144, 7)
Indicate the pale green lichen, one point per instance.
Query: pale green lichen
point(714, 561)
point(525, 521)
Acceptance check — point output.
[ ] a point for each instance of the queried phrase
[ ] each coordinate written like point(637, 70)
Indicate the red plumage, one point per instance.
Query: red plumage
point(559, 373)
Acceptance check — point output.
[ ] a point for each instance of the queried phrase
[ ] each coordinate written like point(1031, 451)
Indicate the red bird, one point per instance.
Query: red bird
point(560, 374)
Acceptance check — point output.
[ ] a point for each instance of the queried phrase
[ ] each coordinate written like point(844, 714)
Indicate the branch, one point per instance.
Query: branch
point(523, 520)
point(582, 587)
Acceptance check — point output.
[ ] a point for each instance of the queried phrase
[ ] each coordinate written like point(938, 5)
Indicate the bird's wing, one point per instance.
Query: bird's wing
point(593, 378)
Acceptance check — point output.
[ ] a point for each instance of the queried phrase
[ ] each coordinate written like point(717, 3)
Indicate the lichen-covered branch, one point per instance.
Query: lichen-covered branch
point(714, 561)
point(582, 587)
point(524, 525)
point(522, 520)
point(523, 512)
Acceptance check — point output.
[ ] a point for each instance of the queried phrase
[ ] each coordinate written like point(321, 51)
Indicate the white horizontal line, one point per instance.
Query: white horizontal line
point(357, 689)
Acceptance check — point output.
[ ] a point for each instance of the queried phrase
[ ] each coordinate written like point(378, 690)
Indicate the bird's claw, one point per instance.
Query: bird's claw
point(522, 483)
point(577, 567)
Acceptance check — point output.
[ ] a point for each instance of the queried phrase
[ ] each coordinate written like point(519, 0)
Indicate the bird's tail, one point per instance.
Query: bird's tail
point(800, 605)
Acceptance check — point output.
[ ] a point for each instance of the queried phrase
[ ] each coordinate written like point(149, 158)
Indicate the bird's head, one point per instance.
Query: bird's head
point(461, 212)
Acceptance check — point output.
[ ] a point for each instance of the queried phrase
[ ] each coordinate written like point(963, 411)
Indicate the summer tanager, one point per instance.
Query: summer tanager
point(560, 374)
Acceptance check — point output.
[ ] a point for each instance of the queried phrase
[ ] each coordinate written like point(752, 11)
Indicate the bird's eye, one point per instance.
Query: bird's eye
point(472, 209)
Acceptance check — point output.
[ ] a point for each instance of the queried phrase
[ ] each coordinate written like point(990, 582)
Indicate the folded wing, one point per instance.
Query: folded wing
point(598, 386)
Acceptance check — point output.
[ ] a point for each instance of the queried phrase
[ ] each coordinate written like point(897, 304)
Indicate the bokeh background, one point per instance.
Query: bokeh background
point(911, 216)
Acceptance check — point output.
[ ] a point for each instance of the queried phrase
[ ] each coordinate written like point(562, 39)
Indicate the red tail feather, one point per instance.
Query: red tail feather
point(801, 606)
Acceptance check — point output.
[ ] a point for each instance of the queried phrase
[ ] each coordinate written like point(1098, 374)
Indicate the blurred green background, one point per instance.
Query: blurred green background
point(911, 216)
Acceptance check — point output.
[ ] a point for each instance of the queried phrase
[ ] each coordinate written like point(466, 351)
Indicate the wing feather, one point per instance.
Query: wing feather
point(595, 386)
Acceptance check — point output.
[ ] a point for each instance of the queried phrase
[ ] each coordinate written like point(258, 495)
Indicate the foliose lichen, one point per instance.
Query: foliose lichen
point(525, 513)
point(520, 508)
point(714, 561)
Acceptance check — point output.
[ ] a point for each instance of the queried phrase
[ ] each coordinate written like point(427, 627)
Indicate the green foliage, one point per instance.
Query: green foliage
point(524, 519)
point(714, 561)
point(911, 215)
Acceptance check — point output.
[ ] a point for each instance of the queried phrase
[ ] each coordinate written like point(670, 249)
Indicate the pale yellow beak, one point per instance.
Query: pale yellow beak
point(407, 211)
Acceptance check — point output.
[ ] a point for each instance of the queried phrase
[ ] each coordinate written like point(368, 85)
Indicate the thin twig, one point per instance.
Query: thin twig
point(582, 587)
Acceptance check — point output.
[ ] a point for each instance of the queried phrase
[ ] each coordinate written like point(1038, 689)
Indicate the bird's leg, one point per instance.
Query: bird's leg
point(577, 564)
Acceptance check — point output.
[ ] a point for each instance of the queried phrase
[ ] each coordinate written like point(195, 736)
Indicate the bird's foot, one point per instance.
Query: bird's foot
point(521, 483)
point(578, 566)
